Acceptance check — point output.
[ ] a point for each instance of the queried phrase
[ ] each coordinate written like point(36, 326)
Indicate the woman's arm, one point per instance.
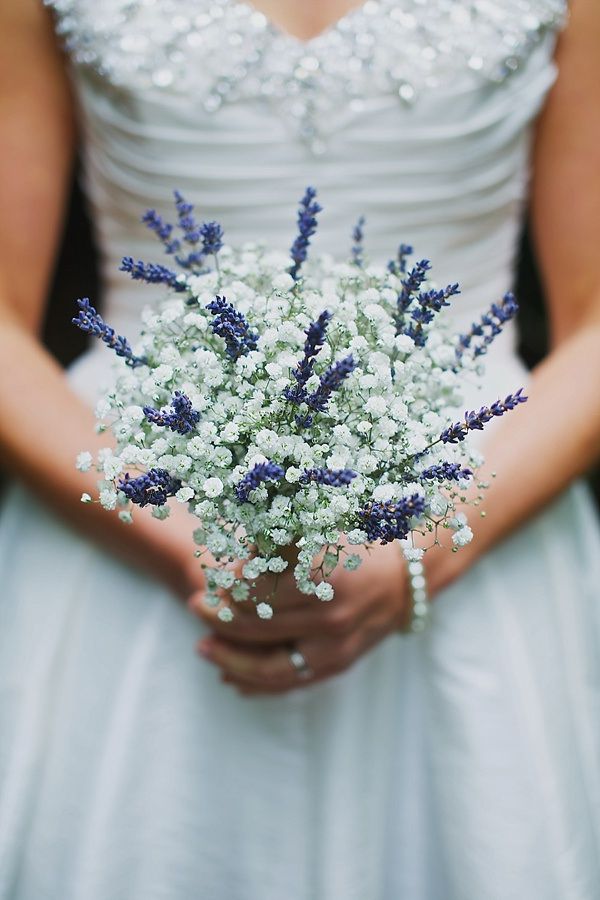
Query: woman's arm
point(536, 451)
point(43, 424)
point(541, 447)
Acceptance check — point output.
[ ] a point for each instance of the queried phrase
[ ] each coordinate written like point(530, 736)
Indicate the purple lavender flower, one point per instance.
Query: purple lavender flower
point(358, 242)
point(187, 221)
point(330, 477)
point(91, 322)
point(315, 338)
point(232, 326)
point(331, 380)
point(163, 230)
point(428, 303)
point(307, 225)
point(152, 273)
point(445, 471)
point(151, 489)
point(398, 266)
point(475, 421)
point(181, 417)
point(259, 474)
point(390, 520)
point(211, 234)
point(483, 333)
point(206, 239)
point(411, 285)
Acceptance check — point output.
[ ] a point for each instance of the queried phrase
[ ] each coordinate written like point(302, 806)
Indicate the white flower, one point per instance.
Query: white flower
point(240, 591)
point(404, 343)
point(84, 461)
point(412, 554)
point(162, 374)
point(283, 282)
point(357, 536)
point(103, 408)
point(85, 498)
point(324, 591)
point(438, 504)
point(230, 432)
point(458, 521)
point(225, 614)
point(277, 564)
point(224, 578)
point(353, 562)
point(125, 517)
point(108, 498)
point(184, 494)
point(376, 406)
point(462, 537)
point(213, 487)
point(134, 414)
point(112, 467)
point(264, 610)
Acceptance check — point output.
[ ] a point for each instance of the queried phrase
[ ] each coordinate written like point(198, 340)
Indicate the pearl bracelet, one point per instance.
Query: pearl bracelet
point(420, 606)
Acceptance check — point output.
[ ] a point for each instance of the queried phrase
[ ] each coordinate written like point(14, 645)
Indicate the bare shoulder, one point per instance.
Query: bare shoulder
point(37, 138)
point(578, 44)
point(27, 35)
point(566, 175)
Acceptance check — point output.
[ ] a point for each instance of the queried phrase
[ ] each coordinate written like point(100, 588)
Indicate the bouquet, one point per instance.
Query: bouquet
point(299, 408)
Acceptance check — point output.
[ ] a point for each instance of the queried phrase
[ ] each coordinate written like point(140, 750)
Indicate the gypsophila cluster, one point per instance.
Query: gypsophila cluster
point(298, 407)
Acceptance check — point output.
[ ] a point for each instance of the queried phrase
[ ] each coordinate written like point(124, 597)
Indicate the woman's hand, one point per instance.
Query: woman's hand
point(254, 654)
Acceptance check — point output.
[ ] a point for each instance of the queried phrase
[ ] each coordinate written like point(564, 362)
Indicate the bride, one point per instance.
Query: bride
point(458, 764)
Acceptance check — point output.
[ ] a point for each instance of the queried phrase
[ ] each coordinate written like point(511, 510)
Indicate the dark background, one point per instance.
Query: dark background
point(77, 275)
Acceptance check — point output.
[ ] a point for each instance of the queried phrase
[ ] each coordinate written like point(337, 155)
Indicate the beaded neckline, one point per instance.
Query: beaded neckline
point(219, 52)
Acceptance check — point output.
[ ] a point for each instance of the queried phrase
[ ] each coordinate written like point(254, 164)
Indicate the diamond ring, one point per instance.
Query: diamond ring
point(299, 664)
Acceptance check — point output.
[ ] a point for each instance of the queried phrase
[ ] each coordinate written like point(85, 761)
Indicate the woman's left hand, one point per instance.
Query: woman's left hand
point(254, 654)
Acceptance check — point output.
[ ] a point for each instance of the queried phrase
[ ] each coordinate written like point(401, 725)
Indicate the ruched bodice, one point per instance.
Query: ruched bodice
point(439, 161)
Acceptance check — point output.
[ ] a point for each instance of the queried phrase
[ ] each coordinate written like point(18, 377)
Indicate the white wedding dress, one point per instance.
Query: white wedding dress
point(460, 765)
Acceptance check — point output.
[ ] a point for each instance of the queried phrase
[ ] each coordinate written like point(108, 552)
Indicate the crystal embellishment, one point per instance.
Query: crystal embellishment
point(222, 51)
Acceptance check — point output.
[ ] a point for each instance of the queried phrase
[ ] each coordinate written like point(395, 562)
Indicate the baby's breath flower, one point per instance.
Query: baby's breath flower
point(84, 461)
point(324, 591)
point(264, 610)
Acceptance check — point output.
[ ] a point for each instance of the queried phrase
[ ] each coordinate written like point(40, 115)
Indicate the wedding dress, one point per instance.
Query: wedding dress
point(463, 764)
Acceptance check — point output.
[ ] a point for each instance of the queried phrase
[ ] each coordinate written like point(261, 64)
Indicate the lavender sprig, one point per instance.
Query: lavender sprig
point(482, 333)
point(475, 421)
point(391, 520)
point(446, 471)
point(330, 477)
point(315, 338)
point(428, 304)
point(152, 489)
point(181, 417)
point(187, 221)
point(211, 235)
point(259, 474)
point(398, 266)
point(233, 327)
point(307, 225)
point(91, 322)
point(331, 380)
point(358, 242)
point(411, 285)
point(163, 230)
point(152, 273)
